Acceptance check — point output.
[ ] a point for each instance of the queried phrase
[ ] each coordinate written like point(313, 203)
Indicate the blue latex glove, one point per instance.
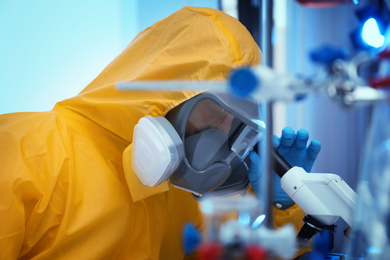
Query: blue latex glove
point(293, 148)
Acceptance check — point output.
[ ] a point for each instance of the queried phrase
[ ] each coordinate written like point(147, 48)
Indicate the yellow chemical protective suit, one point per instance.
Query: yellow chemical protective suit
point(65, 191)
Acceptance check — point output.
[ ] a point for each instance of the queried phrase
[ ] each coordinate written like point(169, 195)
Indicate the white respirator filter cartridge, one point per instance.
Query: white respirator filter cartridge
point(157, 150)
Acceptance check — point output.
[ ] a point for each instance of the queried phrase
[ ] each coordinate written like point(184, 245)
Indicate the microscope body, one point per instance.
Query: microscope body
point(323, 196)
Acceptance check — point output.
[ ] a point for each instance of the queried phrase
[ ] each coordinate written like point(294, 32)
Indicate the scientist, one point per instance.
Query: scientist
point(68, 186)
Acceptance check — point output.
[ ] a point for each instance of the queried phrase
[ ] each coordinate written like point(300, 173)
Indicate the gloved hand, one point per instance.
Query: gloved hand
point(293, 148)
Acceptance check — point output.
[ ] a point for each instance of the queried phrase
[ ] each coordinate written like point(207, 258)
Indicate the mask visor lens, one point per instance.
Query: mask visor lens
point(243, 145)
point(238, 142)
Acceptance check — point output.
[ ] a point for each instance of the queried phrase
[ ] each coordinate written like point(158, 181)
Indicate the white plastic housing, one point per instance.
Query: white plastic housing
point(321, 195)
point(154, 156)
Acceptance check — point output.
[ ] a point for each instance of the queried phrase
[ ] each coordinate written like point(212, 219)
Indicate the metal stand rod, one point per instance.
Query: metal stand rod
point(268, 192)
point(266, 31)
point(266, 47)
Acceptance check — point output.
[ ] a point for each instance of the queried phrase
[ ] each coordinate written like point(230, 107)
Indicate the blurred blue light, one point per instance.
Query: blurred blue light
point(258, 221)
point(244, 219)
point(371, 34)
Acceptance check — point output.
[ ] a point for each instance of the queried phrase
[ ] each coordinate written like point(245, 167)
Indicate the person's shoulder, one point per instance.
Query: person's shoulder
point(27, 133)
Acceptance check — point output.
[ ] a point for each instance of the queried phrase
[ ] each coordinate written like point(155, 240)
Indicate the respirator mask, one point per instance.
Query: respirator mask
point(200, 146)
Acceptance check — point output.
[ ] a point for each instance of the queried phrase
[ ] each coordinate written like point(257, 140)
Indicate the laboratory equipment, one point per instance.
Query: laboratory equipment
point(323, 197)
point(234, 230)
point(338, 79)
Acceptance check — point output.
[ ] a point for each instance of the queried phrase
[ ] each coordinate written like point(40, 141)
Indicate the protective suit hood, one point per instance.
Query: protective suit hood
point(192, 44)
